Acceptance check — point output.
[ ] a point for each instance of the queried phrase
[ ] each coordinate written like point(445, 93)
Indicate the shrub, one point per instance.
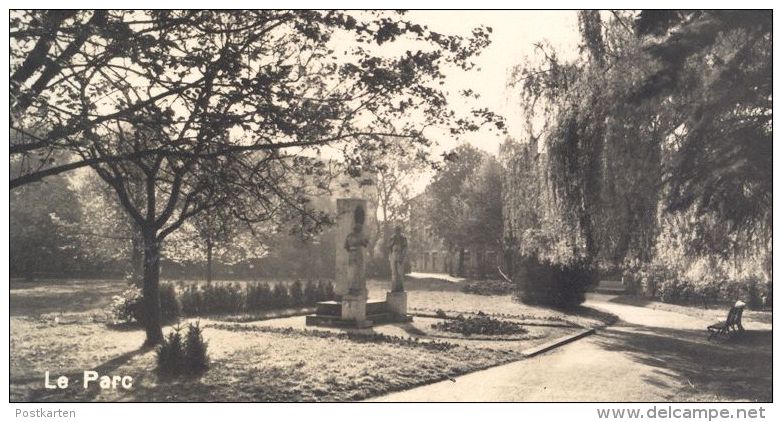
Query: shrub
point(128, 307)
point(557, 285)
point(750, 289)
point(170, 353)
point(672, 290)
point(295, 294)
point(311, 293)
point(325, 290)
point(178, 356)
point(170, 307)
point(196, 359)
point(220, 298)
point(125, 306)
point(280, 296)
point(440, 313)
point(259, 297)
point(702, 282)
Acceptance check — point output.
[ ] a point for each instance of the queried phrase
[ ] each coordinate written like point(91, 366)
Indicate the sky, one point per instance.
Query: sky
point(514, 34)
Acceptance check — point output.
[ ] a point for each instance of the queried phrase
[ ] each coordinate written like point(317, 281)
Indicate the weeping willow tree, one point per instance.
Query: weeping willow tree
point(660, 116)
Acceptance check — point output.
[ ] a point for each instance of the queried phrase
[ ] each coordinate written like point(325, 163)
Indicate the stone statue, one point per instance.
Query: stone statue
point(355, 242)
point(397, 256)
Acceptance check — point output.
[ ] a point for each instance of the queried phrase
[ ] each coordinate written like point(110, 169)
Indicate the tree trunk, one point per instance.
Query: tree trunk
point(209, 248)
point(151, 289)
point(137, 261)
point(460, 265)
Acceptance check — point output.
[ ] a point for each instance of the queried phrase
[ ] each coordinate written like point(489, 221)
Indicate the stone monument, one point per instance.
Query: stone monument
point(352, 307)
point(352, 285)
point(396, 299)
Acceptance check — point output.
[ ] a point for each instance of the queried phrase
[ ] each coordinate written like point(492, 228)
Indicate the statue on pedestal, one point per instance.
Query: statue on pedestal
point(397, 256)
point(355, 242)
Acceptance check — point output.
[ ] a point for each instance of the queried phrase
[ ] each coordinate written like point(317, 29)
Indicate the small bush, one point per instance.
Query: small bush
point(170, 307)
point(701, 282)
point(671, 290)
point(557, 285)
point(125, 306)
point(196, 359)
point(171, 353)
point(440, 313)
point(128, 307)
point(325, 290)
point(178, 356)
point(311, 293)
point(295, 294)
point(259, 297)
point(280, 295)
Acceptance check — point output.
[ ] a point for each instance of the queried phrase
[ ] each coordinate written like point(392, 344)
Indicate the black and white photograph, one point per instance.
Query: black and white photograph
point(379, 205)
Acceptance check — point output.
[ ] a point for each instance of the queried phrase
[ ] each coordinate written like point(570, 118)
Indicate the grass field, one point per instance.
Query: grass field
point(57, 326)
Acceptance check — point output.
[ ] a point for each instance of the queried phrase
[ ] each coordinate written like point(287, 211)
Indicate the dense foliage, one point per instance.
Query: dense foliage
point(651, 149)
point(183, 112)
point(464, 206)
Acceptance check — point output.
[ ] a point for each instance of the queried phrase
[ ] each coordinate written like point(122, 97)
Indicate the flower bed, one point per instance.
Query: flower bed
point(480, 324)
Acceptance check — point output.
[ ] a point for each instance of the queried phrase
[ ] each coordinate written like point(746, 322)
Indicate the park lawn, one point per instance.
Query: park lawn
point(56, 295)
point(715, 312)
point(249, 363)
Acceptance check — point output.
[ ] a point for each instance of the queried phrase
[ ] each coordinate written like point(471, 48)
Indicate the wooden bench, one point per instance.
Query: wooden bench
point(732, 324)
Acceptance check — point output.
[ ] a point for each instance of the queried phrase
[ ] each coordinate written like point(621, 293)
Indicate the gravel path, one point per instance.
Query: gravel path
point(649, 355)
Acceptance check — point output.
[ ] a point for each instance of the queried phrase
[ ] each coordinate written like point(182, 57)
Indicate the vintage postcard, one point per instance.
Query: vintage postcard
point(341, 205)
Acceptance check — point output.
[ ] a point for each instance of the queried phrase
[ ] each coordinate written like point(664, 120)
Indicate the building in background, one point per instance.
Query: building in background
point(428, 253)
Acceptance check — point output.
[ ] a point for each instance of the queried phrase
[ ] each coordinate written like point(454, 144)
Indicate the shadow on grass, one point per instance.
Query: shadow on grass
point(735, 369)
point(412, 330)
point(51, 296)
point(712, 309)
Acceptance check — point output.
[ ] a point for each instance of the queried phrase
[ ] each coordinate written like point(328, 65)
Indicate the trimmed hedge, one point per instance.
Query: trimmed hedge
point(224, 298)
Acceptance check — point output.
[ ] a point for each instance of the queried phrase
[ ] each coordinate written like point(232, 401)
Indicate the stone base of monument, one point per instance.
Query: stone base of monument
point(396, 303)
point(347, 313)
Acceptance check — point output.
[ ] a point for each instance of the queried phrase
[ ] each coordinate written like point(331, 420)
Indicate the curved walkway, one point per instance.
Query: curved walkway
point(649, 355)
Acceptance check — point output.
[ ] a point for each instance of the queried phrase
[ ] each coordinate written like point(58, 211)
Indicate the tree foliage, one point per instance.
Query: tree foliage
point(202, 110)
point(663, 121)
point(464, 206)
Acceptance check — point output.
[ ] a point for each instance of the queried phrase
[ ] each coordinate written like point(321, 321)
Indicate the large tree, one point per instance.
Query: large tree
point(198, 108)
point(465, 202)
point(664, 116)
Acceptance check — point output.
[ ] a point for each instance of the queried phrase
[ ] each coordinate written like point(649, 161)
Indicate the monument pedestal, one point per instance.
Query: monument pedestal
point(396, 304)
point(348, 312)
point(354, 309)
